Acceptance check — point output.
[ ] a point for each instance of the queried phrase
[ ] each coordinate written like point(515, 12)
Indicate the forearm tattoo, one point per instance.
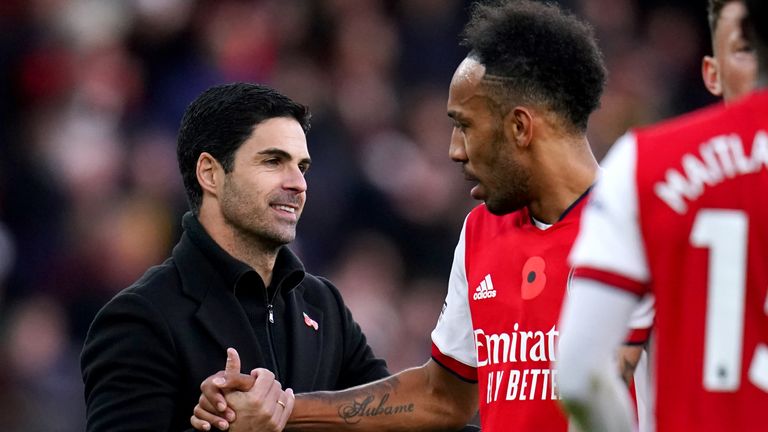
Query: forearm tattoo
point(372, 402)
point(367, 406)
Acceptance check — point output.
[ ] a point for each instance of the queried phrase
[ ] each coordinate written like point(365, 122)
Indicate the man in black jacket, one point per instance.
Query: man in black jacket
point(230, 282)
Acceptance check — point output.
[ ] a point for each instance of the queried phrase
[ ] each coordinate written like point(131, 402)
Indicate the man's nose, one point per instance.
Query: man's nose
point(457, 150)
point(295, 180)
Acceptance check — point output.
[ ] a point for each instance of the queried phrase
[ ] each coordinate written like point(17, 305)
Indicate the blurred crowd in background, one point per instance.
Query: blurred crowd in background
point(91, 95)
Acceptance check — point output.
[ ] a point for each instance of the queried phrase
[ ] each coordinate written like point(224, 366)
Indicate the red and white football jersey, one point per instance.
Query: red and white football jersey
point(681, 212)
point(499, 322)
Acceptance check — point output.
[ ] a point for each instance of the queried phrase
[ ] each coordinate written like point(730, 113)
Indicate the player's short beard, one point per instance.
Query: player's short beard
point(511, 179)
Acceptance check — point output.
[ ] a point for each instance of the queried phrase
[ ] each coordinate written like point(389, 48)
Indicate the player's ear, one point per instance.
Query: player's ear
point(711, 75)
point(518, 126)
point(209, 173)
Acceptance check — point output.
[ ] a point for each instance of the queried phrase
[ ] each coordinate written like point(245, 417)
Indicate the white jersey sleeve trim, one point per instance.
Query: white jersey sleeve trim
point(610, 239)
point(644, 313)
point(454, 335)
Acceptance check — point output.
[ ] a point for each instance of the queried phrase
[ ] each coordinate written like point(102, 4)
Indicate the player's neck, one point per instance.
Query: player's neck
point(562, 180)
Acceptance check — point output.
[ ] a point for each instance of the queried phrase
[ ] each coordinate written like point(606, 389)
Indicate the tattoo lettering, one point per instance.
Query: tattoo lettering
point(355, 411)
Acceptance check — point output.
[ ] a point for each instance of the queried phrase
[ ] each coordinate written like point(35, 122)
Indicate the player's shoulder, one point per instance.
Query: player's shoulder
point(699, 121)
point(476, 216)
point(482, 225)
point(705, 122)
point(480, 215)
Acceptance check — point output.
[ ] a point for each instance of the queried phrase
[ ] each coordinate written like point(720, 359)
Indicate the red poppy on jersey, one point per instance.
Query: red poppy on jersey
point(534, 278)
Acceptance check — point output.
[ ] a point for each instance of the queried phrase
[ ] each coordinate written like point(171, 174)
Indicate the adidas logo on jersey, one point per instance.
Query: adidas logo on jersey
point(485, 289)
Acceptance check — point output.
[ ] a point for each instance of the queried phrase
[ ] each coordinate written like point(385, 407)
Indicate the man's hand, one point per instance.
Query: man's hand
point(212, 408)
point(265, 407)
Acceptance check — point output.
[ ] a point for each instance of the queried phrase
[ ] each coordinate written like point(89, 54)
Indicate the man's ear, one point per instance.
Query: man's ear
point(518, 126)
point(209, 173)
point(711, 75)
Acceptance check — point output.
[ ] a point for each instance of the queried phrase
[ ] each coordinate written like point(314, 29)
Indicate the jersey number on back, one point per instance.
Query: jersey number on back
point(724, 232)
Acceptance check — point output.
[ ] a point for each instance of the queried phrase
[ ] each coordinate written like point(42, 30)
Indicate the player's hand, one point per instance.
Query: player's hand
point(265, 407)
point(212, 408)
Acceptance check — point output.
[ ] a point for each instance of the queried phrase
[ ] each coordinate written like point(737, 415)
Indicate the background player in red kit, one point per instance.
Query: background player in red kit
point(728, 73)
point(519, 103)
point(680, 213)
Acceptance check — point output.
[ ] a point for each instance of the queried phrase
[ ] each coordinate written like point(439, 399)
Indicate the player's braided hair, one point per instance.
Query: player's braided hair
point(537, 53)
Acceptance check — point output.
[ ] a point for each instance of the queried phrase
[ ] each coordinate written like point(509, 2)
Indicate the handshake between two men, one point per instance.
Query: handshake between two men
point(231, 400)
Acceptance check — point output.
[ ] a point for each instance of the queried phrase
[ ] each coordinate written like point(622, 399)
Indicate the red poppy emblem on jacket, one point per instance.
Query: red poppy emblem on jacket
point(534, 278)
point(310, 322)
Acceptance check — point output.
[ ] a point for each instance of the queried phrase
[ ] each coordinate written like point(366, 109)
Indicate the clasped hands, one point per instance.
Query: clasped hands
point(230, 400)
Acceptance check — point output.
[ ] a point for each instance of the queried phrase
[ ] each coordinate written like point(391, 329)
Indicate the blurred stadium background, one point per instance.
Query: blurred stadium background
point(91, 94)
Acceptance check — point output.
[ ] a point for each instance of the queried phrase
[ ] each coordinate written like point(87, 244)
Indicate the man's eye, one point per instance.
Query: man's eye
point(303, 168)
point(272, 162)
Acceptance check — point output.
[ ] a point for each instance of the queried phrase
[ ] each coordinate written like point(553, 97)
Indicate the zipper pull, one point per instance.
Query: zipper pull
point(271, 314)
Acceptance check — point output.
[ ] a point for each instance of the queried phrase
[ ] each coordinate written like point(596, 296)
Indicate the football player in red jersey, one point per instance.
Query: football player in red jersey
point(679, 213)
point(519, 103)
point(728, 73)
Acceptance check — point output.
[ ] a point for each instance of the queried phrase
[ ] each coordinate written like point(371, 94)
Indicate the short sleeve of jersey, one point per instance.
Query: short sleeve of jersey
point(641, 321)
point(453, 339)
point(609, 248)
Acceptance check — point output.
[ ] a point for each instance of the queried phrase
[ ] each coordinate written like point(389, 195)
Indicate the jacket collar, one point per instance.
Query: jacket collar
point(203, 264)
point(209, 275)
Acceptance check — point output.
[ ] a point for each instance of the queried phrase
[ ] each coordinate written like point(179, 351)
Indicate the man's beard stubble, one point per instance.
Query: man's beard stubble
point(249, 222)
point(512, 181)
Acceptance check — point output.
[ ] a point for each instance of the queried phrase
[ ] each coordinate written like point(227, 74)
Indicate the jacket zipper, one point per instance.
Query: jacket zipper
point(270, 321)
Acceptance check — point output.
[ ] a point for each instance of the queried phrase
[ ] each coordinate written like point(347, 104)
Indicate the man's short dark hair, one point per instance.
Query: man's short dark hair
point(714, 9)
point(538, 54)
point(220, 120)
